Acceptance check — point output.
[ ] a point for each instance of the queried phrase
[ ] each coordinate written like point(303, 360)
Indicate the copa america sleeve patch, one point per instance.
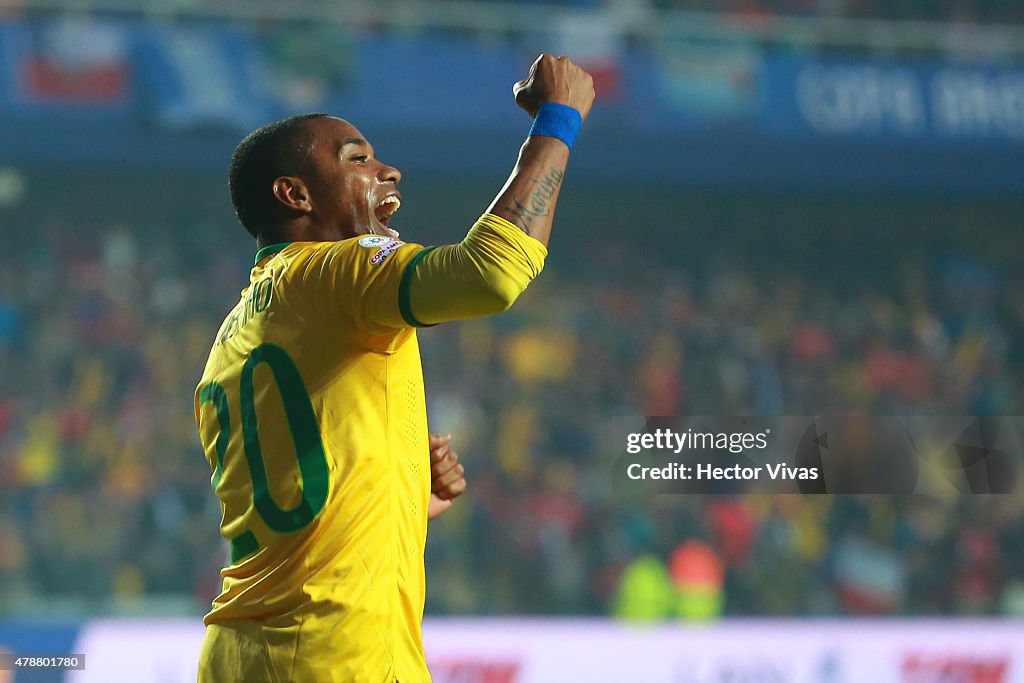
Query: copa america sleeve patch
point(385, 251)
point(371, 241)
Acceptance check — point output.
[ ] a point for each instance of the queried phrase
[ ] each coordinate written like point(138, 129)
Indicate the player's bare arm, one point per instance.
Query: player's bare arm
point(529, 196)
point(447, 476)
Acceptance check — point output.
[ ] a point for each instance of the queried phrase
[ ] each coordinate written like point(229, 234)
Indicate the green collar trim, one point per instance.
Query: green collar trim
point(272, 249)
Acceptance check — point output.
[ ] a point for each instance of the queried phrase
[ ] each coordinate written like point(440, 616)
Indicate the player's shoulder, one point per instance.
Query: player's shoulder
point(301, 257)
point(367, 251)
point(363, 258)
point(353, 246)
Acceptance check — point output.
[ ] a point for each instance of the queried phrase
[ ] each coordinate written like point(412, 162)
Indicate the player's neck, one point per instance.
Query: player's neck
point(301, 230)
point(271, 237)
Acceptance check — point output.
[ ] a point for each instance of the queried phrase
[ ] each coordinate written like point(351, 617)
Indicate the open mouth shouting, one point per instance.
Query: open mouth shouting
point(384, 210)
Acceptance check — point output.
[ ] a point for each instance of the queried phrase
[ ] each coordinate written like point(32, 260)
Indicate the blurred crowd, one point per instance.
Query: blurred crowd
point(105, 495)
point(534, 391)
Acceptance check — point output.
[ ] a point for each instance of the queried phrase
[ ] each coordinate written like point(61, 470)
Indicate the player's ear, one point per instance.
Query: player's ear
point(292, 193)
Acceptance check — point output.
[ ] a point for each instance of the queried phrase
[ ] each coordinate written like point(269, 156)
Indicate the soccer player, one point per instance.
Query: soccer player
point(311, 408)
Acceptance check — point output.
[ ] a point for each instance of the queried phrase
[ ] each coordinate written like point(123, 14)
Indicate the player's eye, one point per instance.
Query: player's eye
point(359, 158)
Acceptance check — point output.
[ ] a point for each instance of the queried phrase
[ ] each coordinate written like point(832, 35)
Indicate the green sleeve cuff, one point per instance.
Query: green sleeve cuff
point(404, 306)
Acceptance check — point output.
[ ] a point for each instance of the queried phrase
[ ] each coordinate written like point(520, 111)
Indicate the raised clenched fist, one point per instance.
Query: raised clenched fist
point(555, 79)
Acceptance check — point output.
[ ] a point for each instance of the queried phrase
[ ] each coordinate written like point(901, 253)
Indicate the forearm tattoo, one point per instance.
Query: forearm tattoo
point(538, 203)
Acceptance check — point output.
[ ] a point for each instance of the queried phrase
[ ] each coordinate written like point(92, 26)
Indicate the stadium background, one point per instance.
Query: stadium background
point(777, 207)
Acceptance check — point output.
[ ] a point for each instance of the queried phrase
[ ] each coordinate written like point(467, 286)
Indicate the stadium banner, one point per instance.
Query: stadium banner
point(201, 77)
point(488, 650)
point(202, 74)
point(181, 95)
point(934, 103)
point(76, 64)
point(76, 60)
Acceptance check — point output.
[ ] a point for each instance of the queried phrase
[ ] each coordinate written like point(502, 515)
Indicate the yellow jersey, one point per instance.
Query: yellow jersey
point(312, 416)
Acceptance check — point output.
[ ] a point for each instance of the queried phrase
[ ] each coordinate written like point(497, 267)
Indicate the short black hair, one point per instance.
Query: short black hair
point(269, 152)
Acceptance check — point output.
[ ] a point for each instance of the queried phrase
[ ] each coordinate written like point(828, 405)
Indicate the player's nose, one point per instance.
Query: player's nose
point(389, 174)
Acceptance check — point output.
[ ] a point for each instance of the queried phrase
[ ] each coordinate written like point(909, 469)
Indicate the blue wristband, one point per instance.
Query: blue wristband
point(556, 120)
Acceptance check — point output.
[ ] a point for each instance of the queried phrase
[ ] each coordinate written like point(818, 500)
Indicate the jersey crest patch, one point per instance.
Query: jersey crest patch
point(385, 251)
point(371, 241)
